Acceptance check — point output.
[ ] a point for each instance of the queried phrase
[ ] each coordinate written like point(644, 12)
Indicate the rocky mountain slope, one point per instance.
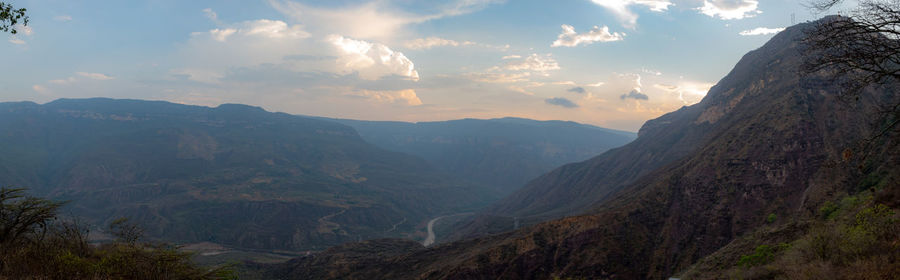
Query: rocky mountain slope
point(765, 142)
point(234, 175)
point(500, 153)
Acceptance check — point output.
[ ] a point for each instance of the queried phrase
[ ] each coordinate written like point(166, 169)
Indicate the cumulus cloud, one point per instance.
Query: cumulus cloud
point(534, 62)
point(761, 31)
point(209, 55)
point(569, 38)
point(622, 8)
point(561, 101)
point(577, 90)
point(405, 97)
point(372, 60)
point(730, 9)
point(634, 94)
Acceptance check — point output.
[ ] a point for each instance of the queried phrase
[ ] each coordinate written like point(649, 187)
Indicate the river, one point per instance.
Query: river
point(431, 237)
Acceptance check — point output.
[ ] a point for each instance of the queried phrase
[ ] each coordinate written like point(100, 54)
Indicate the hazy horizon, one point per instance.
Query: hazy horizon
point(613, 64)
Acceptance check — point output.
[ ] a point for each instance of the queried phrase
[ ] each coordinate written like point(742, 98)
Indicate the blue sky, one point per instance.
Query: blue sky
point(611, 63)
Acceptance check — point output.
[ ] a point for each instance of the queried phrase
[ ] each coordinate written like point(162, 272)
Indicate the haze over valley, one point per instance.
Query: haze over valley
point(476, 139)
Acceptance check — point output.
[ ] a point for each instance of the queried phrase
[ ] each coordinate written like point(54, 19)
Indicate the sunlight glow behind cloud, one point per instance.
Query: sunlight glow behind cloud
point(373, 60)
point(730, 9)
point(623, 8)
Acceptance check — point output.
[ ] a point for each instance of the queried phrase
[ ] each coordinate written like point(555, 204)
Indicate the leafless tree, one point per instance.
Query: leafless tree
point(858, 50)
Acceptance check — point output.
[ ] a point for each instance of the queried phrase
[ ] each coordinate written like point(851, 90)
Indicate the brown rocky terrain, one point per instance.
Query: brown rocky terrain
point(765, 142)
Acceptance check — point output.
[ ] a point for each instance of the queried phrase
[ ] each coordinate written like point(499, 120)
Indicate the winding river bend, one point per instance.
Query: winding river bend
point(431, 237)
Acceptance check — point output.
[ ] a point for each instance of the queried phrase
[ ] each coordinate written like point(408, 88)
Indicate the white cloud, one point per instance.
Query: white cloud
point(569, 38)
point(272, 29)
point(730, 9)
point(16, 41)
point(222, 34)
point(688, 92)
point(210, 14)
point(372, 60)
point(62, 18)
point(246, 43)
point(406, 96)
point(375, 19)
point(622, 8)
point(534, 62)
point(512, 56)
point(94, 76)
point(431, 42)
point(761, 31)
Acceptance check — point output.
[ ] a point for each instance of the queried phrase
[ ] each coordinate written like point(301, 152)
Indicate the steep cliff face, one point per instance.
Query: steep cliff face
point(764, 141)
point(234, 174)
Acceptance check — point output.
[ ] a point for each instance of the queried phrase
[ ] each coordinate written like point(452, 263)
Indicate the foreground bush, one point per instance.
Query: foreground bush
point(36, 244)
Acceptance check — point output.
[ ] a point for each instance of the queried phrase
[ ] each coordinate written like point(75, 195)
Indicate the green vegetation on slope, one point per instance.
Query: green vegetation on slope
point(857, 239)
point(36, 244)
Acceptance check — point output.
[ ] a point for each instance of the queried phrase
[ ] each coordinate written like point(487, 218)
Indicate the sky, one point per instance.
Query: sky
point(610, 63)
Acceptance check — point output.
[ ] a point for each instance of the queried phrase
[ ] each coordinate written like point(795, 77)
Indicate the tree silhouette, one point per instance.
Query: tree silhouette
point(10, 16)
point(859, 50)
point(22, 216)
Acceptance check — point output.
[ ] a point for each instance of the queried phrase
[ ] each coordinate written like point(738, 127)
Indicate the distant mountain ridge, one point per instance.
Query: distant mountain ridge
point(503, 153)
point(233, 174)
point(764, 142)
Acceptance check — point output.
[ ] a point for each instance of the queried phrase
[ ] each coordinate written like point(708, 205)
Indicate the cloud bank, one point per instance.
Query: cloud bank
point(569, 38)
point(623, 8)
point(730, 9)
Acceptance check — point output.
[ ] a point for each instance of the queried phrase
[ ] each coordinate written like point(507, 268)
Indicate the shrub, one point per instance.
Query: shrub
point(35, 244)
point(828, 210)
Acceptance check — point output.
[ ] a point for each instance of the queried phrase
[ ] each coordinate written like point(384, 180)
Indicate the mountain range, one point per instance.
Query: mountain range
point(233, 174)
point(762, 154)
point(502, 154)
point(243, 177)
